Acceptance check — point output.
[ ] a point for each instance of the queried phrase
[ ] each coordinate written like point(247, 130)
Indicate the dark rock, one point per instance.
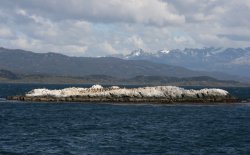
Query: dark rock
point(183, 99)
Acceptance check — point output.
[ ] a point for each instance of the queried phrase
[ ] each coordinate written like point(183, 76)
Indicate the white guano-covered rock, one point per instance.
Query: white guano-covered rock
point(171, 92)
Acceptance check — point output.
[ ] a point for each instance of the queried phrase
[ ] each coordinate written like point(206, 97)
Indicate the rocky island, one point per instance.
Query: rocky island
point(158, 94)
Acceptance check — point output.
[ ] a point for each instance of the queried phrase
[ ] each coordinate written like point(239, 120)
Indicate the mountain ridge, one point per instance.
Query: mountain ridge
point(57, 64)
point(27, 62)
point(235, 61)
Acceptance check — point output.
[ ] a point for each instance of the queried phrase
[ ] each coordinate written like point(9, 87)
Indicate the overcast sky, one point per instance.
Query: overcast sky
point(98, 27)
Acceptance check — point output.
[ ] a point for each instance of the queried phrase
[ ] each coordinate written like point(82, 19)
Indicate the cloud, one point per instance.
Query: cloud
point(155, 12)
point(235, 37)
point(136, 42)
point(108, 47)
point(97, 28)
point(5, 32)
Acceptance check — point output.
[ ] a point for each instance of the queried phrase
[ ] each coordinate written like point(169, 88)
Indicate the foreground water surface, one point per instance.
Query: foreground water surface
point(94, 128)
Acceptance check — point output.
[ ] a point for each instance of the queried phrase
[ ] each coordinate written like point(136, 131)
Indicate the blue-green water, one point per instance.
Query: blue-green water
point(92, 128)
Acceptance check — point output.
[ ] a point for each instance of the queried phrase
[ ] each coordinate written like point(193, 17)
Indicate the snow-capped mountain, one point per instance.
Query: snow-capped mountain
point(16, 63)
point(137, 53)
point(230, 60)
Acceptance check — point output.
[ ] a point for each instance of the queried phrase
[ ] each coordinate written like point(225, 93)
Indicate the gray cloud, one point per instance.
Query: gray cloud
point(153, 12)
point(96, 28)
point(235, 37)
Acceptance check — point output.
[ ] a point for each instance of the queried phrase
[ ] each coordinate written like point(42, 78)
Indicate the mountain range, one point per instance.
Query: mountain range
point(234, 61)
point(26, 62)
point(52, 64)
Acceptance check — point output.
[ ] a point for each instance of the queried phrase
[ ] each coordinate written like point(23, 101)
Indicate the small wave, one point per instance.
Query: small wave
point(2, 99)
point(245, 101)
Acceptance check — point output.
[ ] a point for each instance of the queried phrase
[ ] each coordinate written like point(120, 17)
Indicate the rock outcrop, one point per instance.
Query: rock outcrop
point(97, 93)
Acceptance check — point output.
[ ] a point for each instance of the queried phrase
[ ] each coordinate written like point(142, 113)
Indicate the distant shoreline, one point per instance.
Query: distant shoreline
point(12, 77)
point(124, 84)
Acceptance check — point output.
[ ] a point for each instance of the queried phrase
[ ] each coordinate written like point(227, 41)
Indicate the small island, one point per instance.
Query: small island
point(115, 94)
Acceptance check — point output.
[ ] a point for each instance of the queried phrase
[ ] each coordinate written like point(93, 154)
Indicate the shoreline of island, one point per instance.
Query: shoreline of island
point(115, 94)
point(121, 100)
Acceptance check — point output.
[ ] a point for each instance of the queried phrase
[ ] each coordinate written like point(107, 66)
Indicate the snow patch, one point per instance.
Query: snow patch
point(137, 53)
point(164, 51)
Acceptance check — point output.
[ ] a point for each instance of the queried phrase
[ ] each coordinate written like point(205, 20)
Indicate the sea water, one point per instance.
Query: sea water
point(95, 128)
